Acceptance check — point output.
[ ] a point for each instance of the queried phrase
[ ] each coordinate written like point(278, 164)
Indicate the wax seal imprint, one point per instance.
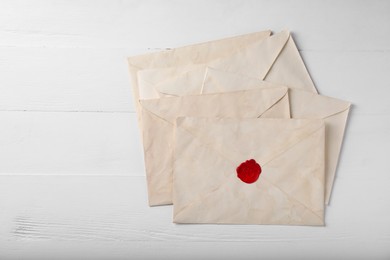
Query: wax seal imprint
point(249, 171)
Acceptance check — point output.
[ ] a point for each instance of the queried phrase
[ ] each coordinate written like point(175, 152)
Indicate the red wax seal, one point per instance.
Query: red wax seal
point(249, 171)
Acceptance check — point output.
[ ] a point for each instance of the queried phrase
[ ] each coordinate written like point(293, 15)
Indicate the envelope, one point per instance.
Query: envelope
point(303, 104)
point(249, 171)
point(158, 126)
point(275, 59)
point(188, 55)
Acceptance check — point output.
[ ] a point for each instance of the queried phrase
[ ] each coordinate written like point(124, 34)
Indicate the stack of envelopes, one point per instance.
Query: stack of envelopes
point(234, 131)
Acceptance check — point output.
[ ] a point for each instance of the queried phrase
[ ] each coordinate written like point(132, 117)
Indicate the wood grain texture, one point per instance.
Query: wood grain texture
point(72, 143)
point(317, 25)
point(72, 182)
point(64, 79)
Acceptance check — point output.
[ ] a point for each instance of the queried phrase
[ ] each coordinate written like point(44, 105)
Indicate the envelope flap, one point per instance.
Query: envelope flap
point(149, 80)
point(304, 104)
point(248, 138)
point(227, 205)
point(239, 104)
point(196, 181)
point(255, 60)
point(188, 83)
point(216, 80)
point(290, 70)
point(197, 53)
point(305, 161)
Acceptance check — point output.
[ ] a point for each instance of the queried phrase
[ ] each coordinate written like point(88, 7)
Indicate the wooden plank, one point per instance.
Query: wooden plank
point(307, 248)
point(354, 25)
point(64, 80)
point(70, 143)
point(66, 215)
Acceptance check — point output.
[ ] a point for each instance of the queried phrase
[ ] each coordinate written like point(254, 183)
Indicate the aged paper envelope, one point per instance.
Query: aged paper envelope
point(158, 126)
point(184, 56)
point(303, 104)
point(275, 59)
point(217, 161)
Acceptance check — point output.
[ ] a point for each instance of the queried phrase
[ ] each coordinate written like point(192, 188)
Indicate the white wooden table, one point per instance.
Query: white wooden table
point(72, 182)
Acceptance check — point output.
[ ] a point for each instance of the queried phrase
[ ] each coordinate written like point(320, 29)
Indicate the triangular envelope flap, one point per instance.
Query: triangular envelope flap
point(304, 104)
point(289, 69)
point(256, 59)
point(145, 88)
point(193, 180)
point(197, 53)
point(239, 104)
point(150, 79)
point(218, 207)
point(157, 153)
point(262, 139)
point(228, 205)
point(216, 80)
point(299, 171)
point(188, 83)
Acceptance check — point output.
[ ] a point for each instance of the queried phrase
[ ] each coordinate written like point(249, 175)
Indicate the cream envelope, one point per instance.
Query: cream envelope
point(158, 126)
point(275, 59)
point(184, 56)
point(303, 104)
point(289, 190)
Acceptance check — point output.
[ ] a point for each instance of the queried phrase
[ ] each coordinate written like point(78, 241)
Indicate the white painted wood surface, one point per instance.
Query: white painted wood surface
point(72, 182)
